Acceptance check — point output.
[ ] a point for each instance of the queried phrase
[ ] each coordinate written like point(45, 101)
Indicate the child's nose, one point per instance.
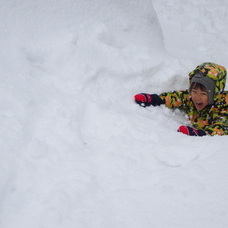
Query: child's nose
point(198, 97)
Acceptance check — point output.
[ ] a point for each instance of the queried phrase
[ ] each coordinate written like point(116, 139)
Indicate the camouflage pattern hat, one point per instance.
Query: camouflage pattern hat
point(212, 76)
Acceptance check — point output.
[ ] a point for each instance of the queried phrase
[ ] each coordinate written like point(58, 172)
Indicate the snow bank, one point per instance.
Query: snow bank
point(75, 150)
point(194, 30)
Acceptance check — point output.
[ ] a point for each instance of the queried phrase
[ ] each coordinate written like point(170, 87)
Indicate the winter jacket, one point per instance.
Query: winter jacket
point(213, 119)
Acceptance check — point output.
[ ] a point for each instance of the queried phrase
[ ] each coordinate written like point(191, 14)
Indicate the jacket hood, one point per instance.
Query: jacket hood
point(213, 71)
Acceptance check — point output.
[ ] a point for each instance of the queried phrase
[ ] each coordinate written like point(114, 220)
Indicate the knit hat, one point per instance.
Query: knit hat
point(208, 83)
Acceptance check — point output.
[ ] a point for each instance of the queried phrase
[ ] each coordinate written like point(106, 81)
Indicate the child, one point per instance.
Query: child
point(205, 102)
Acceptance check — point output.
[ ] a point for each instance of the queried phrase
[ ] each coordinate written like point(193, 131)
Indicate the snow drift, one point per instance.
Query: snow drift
point(75, 149)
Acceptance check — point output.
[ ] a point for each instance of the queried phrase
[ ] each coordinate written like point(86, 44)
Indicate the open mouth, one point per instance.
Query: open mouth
point(199, 105)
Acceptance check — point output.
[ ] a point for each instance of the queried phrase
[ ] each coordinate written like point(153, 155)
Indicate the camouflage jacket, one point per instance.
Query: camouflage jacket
point(213, 119)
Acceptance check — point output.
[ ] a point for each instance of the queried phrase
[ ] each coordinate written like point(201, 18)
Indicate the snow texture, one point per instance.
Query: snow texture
point(75, 150)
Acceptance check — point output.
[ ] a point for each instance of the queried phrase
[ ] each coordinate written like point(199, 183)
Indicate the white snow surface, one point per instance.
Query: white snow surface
point(75, 150)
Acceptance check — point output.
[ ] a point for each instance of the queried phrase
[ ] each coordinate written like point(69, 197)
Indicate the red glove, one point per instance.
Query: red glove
point(145, 99)
point(191, 131)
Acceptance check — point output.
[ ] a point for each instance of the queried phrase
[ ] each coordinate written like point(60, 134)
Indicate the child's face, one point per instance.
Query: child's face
point(199, 98)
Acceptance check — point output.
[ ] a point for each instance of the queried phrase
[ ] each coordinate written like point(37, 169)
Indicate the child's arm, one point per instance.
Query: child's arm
point(176, 99)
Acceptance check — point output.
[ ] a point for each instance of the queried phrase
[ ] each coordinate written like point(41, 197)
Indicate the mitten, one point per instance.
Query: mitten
point(191, 131)
point(145, 99)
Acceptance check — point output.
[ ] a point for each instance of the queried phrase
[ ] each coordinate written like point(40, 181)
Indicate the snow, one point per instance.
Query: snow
point(75, 149)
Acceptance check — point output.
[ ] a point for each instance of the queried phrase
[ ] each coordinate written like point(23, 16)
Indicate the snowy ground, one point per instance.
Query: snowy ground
point(75, 151)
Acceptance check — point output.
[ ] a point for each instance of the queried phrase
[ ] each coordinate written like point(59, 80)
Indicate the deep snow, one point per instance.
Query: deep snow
point(75, 150)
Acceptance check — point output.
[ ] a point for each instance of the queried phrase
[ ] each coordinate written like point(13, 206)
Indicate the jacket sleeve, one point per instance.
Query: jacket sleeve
point(176, 99)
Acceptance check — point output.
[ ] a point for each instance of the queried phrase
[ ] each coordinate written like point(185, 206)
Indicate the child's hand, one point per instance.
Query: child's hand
point(145, 99)
point(191, 131)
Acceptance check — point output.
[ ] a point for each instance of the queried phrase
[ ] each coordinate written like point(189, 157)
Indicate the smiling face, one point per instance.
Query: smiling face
point(199, 96)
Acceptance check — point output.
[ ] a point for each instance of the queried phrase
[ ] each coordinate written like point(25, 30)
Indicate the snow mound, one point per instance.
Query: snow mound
point(75, 150)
